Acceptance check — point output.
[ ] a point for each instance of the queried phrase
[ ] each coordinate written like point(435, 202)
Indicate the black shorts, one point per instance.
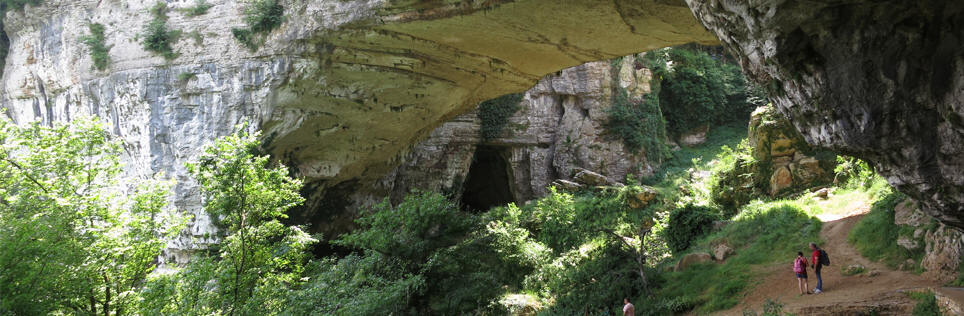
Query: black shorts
point(802, 275)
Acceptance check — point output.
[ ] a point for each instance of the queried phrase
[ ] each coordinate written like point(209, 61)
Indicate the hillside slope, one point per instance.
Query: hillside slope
point(860, 293)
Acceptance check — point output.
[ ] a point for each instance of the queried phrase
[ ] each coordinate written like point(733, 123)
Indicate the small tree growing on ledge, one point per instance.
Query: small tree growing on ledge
point(95, 42)
point(156, 37)
point(262, 17)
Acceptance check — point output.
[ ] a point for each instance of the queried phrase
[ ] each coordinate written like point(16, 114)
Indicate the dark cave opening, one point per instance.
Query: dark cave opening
point(487, 184)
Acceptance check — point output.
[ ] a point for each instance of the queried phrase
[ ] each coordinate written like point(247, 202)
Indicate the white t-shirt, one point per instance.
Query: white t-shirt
point(629, 309)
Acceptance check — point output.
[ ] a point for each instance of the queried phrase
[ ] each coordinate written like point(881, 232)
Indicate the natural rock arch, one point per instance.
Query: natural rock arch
point(345, 87)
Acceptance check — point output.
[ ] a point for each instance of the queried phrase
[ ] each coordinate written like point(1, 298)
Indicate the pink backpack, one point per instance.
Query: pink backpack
point(799, 266)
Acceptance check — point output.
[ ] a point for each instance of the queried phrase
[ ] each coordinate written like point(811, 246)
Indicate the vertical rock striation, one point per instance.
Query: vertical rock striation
point(883, 81)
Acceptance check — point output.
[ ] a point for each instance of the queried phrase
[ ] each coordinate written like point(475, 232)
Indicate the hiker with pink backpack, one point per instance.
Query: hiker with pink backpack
point(800, 269)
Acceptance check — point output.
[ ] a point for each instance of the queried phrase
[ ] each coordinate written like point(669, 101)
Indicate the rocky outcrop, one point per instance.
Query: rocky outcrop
point(943, 245)
point(557, 137)
point(780, 163)
point(882, 81)
point(691, 259)
point(786, 159)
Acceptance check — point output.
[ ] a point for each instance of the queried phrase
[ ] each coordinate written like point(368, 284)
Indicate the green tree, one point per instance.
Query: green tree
point(72, 238)
point(442, 260)
point(259, 260)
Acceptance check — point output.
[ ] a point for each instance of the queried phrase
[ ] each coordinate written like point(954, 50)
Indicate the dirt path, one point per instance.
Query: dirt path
point(843, 294)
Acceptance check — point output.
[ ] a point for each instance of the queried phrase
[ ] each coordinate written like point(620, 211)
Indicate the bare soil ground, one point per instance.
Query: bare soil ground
point(859, 294)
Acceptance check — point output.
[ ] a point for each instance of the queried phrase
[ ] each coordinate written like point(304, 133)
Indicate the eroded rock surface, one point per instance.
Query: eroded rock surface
point(341, 90)
point(883, 81)
point(557, 137)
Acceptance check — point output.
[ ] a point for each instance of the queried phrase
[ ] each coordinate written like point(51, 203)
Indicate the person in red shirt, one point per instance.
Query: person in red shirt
point(816, 267)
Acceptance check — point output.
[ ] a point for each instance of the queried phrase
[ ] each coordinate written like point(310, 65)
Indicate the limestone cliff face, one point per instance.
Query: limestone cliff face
point(559, 127)
point(883, 81)
point(341, 90)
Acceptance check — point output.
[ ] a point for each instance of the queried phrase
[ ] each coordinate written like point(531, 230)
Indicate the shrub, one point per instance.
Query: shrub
point(156, 37)
point(464, 265)
point(200, 8)
point(736, 178)
point(853, 172)
point(95, 42)
point(494, 114)
point(261, 17)
point(687, 224)
point(640, 125)
point(926, 304)
point(184, 77)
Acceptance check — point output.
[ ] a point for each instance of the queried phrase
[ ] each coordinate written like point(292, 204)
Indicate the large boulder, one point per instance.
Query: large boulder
point(694, 137)
point(642, 198)
point(722, 251)
point(691, 259)
point(590, 178)
point(780, 180)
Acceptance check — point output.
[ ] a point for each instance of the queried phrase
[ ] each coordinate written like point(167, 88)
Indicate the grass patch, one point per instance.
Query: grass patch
point(926, 304)
point(763, 233)
point(675, 179)
point(156, 37)
point(200, 7)
point(95, 41)
point(852, 270)
point(261, 17)
point(184, 77)
point(875, 236)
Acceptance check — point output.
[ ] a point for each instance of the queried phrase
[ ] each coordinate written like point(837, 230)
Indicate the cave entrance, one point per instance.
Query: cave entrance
point(487, 184)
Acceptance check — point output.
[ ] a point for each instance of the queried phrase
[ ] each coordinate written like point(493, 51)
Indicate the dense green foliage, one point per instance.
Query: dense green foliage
point(259, 260)
point(687, 224)
point(639, 124)
point(261, 17)
point(70, 241)
point(736, 178)
point(96, 42)
point(156, 37)
point(599, 248)
point(200, 8)
point(494, 114)
point(423, 256)
point(698, 89)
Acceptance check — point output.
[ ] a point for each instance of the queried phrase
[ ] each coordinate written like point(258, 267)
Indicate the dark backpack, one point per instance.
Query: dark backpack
point(824, 259)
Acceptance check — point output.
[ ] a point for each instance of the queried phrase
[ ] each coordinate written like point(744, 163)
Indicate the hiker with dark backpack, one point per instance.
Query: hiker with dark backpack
point(820, 259)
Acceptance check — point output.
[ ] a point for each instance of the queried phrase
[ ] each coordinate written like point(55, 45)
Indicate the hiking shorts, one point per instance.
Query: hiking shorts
point(802, 275)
